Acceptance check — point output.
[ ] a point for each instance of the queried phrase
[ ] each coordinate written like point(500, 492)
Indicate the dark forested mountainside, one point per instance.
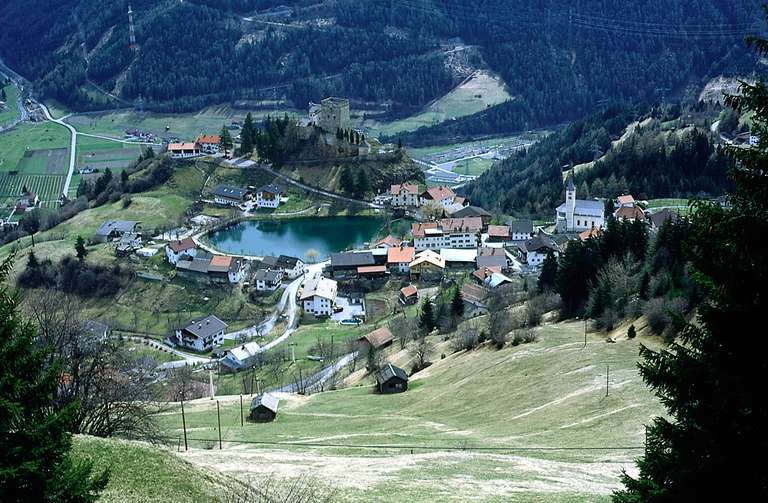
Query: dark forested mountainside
point(663, 156)
point(558, 58)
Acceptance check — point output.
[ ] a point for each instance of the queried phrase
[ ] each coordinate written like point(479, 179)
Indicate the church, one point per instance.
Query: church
point(576, 215)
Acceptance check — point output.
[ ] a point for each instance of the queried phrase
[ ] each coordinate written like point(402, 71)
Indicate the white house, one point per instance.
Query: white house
point(442, 195)
point(399, 259)
point(243, 355)
point(447, 233)
point(291, 266)
point(267, 280)
point(184, 150)
point(175, 250)
point(319, 296)
point(625, 201)
point(538, 247)
point(203, 334)
point(269, 196)
point(576, 215)
point(405, 195)
point(210, 144)
point(521, 230)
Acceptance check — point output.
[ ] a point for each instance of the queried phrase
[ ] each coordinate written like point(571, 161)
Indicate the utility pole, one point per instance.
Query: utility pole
point(210, 382)
point(218, 417)
point(184, 423)
point(241, 412)
point(585, 332)
point(293, 352)
point(607, 376)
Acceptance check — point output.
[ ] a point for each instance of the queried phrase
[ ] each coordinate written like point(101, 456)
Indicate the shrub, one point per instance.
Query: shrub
point(631, 333)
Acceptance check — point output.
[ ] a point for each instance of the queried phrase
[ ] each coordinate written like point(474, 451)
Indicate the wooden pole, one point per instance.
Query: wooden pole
point(218, 417)
point(585, 332)
point(184, 423)
point(607, 376)
point(241, 411)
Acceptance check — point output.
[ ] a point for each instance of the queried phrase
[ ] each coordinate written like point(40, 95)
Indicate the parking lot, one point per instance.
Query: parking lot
point(350, 310)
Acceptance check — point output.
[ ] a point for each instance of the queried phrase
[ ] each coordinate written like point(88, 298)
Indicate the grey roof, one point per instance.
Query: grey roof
point(590, 208)
point(662, 216)
point(267, 400)
point(286, 262)
point(388, 372)
point(492, 261)
point(521, 227)
point(541, 243)
point(351, 259)
point(229, 192)
point(471, 211)
point(120, 226)
point(205, 327)
point(267, 275)
point(268, 262)
point(273, 188)
point(197, 264)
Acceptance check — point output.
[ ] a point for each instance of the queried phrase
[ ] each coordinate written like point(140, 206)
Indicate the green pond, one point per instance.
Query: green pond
point(295, 236)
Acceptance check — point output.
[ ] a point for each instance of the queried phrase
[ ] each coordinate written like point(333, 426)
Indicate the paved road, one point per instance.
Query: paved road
point(72, 146)
point(325, 193)
point(315, 382)
point(186, 358)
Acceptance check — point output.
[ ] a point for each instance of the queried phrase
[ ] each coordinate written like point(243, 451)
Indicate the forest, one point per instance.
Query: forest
point(552, 55)
point(649, 163)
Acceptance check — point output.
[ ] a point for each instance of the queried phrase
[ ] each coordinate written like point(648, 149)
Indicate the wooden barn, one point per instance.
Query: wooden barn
point(391, 379)
point(264, 408)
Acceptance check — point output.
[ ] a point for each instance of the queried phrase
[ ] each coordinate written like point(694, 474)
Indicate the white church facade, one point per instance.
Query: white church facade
point(576, 215)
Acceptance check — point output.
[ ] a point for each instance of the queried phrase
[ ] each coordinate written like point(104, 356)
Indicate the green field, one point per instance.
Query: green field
point(476, 166)
point(662, 203)
point(11, 113)
point(102, 154)
point(184, 126)
point(475, 95)
point(540, 405)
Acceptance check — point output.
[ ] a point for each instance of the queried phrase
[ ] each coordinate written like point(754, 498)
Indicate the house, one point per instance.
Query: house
point(591, 233)
point(630, 213)
point(538, 247)
point(389, 242)
point(242, 356)
point(267, 280)
point(391, 379)
point(492, 277)
point(184, 150)
point(344, 265)
point(226, 195)
point(112, 229)
point(264, 408)
point(399, 259)
point(128, 244)
point(292, 267)
point(371, 271)
point(521, 230)
point(442, 196)
point(175, 250)
point(660, 217)
point(447, 233)
point(405, 195)
point(210, 144)
point(28, 201)
point(409, 295)
point(427, 266)
point(499, 234)
point(625, 202)
point(378, 339)
point(459, 258)
point(475, 300)
point(473, 211)
point(493, 257)
point(319, 296)
point(225, 268)
point(269, 196)
point(576, 215)
point(203, 334)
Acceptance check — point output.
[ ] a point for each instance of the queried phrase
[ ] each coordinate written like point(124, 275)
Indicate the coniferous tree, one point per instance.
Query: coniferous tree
point(457, 304)
point(362, 183)
point(226, 140)
point(80, 250)
point(247, 135)
point(35, 462)
point(346, 180)
point(548, 275)
point(427, 317)
point(711, 379)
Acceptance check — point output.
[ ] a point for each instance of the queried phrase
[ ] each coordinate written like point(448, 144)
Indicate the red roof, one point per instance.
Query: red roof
point(213, 138)
point(390, 241)
point(625, 199)
point(371, 269)
point(629, 213)
point(409, 291)
point(400, 254)
point(182, 146)
point(408, 187)
point(591, 233)
point(181, 245)
point(438, 193)
point(498, 231)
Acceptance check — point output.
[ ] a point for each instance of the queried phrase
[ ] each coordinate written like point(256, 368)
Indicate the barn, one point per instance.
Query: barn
point(264, 408)
point(391, 379)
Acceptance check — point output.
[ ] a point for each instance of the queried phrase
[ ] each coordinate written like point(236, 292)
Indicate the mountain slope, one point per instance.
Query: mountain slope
point(558, 59)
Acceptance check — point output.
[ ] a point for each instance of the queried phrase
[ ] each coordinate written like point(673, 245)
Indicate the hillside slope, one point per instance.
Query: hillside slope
point(526, 423)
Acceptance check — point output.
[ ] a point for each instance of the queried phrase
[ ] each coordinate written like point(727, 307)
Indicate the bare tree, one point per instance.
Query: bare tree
point(420, 352)
point(272, 489)
point(404, 329)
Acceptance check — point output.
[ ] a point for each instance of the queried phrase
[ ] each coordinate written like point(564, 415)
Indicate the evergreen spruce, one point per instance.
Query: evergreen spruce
point(226, 140)
point(427, 317)
point(80, 249)
point(35, 462)
point(548, 274)
point(457, 304)
point(247, 135)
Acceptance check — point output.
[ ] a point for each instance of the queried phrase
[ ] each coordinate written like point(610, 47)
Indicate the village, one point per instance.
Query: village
point(450, 245)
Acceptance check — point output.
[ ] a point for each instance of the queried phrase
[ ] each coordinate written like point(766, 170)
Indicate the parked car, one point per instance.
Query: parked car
point(351, 321)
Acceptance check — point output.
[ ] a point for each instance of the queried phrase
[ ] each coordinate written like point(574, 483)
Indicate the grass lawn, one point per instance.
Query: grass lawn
point(476, 166)
point(475, 95)
point(11, 113)
point(661, 203)
point(139, 351)
point(546, 394)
